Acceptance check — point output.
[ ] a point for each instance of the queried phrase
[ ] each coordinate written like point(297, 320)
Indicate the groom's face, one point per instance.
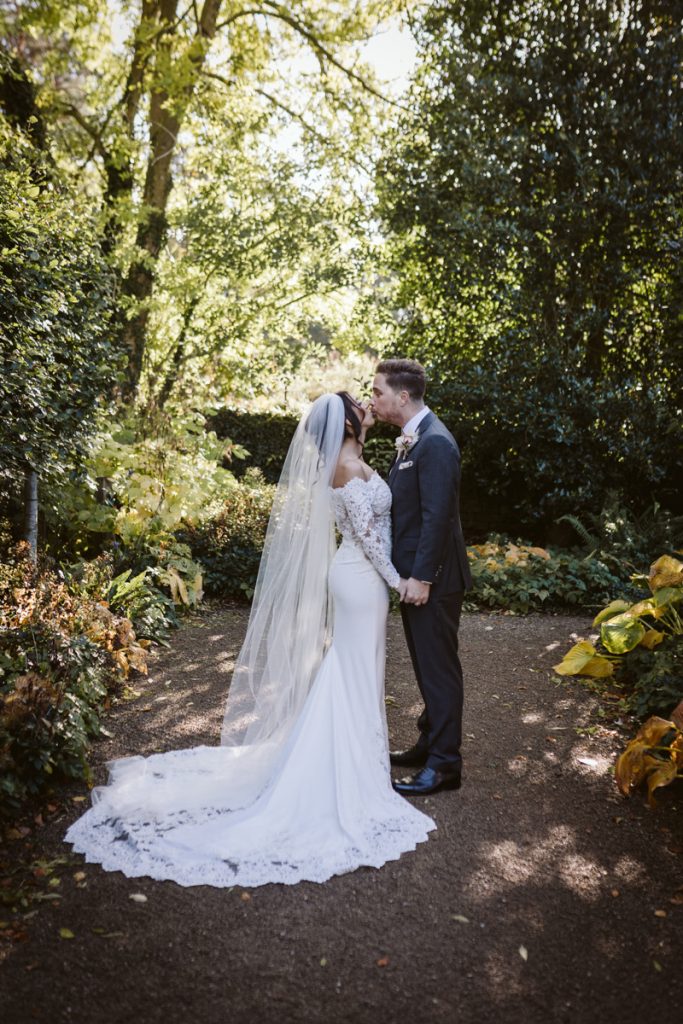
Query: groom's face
point(388, 405)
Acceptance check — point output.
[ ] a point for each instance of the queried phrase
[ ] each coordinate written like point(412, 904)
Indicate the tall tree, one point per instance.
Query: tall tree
point(533, 203)
point(122, 107)
point(537, 186)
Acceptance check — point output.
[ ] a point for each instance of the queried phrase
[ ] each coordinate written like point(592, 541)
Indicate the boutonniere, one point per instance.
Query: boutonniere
point(405, 442)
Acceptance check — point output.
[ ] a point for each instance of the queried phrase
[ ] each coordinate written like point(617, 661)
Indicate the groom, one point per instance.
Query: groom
point(429, 553)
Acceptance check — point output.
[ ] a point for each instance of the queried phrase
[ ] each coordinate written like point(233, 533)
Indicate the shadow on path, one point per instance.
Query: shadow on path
point(534, 901)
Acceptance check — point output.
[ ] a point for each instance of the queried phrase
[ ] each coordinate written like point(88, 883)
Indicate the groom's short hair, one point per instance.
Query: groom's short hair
point(405, 375)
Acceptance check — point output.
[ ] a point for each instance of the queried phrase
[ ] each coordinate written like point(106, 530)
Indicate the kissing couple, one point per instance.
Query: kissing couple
point(300, 786)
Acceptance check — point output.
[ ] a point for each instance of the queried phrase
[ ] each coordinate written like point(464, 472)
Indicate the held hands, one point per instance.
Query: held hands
point(413, 591)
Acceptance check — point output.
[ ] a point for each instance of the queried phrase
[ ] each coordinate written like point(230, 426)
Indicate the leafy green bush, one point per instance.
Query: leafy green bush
point(63, 654)
point(623, 538)
point(229, 544)
point(267, 436)
point(57, 296)
point(522, 578)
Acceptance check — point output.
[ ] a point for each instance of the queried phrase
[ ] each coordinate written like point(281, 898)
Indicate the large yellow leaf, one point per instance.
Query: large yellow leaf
point(665, 572)
point(622, 633)
point(652, 731)
point(598, 667)
point(647, 607)
point(584, 660)
point(661, 773)
point(575, 659)
point(651, 639)
point(612, 609)
point(630, 769)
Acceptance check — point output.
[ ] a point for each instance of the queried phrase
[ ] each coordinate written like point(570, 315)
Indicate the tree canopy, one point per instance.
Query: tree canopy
point(533, 201)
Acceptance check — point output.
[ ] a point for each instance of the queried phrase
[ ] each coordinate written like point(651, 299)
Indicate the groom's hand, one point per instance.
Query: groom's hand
point(416, 592)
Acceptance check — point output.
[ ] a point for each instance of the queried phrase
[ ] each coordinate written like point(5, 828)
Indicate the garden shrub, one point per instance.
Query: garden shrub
point(641, 643)
point(623, 538)
point(521, 578)
point(267, 436)
point(229, 544)
point(63, 654)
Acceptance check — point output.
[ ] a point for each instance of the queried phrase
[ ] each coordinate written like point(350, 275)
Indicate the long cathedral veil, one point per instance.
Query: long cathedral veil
point(290, 618)
point(288, 631)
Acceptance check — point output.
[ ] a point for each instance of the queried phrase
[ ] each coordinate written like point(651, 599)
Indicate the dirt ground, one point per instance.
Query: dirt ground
point(542, 896)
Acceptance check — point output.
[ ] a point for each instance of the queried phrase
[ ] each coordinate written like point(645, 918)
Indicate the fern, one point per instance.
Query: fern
point(589, 539)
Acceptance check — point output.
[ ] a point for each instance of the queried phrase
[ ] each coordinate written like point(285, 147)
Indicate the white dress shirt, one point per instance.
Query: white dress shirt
point(412, 424)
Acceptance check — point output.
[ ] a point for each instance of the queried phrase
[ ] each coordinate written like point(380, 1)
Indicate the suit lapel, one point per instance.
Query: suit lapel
point(422, 429)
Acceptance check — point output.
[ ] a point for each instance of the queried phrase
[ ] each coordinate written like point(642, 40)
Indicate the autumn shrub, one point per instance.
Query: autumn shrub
point(521, 578)
point(63, 654)
point(137, 597)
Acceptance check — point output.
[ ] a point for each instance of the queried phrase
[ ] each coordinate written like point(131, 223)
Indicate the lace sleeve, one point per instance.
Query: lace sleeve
point(374, 540)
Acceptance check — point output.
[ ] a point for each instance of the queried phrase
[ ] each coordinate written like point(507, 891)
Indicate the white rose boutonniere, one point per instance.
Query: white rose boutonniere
point(405, 442)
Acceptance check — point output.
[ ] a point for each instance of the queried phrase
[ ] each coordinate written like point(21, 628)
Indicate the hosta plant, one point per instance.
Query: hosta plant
point(654, 755)
point(625, 626)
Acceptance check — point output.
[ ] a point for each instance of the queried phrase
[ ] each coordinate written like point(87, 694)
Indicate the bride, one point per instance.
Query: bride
point(299, 788)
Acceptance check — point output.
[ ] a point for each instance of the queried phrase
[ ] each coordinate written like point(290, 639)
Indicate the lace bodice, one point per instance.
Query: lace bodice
point(362, 510)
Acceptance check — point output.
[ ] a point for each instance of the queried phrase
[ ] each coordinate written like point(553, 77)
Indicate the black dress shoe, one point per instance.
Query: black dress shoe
point(429, 780)
point(413, 757)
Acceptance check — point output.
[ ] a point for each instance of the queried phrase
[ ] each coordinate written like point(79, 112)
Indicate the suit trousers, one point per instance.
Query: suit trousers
point(432, 635)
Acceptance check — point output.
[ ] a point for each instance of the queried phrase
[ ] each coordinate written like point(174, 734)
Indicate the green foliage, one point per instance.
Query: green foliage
point(641, 643)
point(142, 478)
point(63, 654)
point(653, 679)
point(545, 444)
point(621, 537)
point(56, 296)
point(267, 436)
point(532, 200)
point(521, 578)
point(229, 544)
point(136, 597)
point(255, 249)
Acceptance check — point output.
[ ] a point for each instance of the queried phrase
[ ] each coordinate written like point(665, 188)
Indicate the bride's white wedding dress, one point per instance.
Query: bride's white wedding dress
point(328, 806)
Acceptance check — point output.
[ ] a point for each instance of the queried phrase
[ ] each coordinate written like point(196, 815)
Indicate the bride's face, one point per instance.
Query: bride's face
point(366, 415)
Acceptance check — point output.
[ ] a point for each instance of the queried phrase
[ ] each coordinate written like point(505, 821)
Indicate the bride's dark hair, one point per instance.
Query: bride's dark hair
point(351, 414)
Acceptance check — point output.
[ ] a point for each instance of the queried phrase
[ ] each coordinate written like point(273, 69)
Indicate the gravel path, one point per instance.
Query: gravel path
point(542, 896)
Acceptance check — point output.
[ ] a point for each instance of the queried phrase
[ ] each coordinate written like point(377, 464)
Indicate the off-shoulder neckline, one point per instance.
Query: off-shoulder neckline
point(355, 479)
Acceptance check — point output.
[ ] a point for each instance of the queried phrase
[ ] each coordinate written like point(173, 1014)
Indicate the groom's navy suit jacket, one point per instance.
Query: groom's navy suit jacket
point(427, 536)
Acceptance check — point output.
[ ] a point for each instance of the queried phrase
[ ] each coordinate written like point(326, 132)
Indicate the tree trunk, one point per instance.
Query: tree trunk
point(165, 118)
point(177, 358)
point(31, 512)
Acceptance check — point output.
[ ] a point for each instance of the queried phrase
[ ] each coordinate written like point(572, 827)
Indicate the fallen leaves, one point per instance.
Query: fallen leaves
point(524, 953)
point(66, 933)
point(137, 897)
point(383, 961)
